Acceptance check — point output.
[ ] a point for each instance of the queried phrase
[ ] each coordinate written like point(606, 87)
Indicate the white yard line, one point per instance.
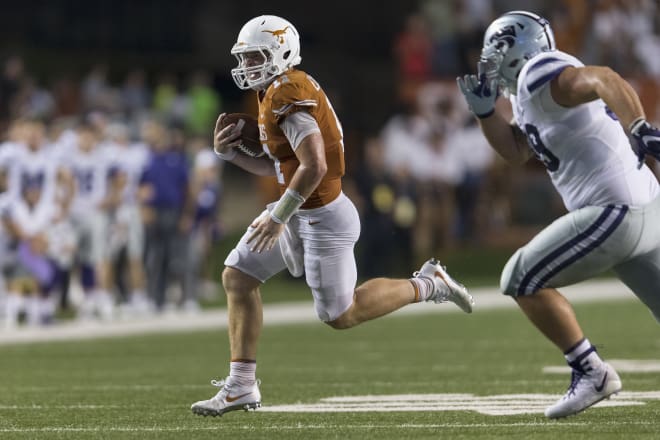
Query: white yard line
point(319, 426)
point(283, 313)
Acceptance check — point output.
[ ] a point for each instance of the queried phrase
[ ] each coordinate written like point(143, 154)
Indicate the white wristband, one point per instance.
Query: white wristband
point(636, 125)
point(226, 156)
point(286, 206)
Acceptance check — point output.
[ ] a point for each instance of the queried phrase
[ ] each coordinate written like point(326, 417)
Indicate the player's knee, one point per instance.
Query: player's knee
point(340, 324)
point(338, 318)
point(235, 281)
point(343, 322)
point(510, 276)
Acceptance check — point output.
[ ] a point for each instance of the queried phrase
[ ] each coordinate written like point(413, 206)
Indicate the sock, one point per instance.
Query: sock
point(583, 356)
point(423, 286)
point(243, 370)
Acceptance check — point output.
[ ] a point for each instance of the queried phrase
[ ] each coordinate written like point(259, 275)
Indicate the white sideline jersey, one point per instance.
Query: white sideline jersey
point(91, 171)
point(584, 148)
point(129, 160)
point(28, 167)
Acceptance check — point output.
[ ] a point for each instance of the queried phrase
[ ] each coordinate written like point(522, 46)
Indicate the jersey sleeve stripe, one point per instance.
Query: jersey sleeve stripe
point(282, 110)
point(543, 62)
point(546, 78)
point(285, 108)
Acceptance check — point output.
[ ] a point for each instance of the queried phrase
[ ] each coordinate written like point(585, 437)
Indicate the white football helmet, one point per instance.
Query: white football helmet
point(278, 43)
point(509, 42)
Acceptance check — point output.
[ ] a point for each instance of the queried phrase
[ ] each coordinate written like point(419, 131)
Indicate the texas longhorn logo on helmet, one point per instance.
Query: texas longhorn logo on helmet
point(279, 34)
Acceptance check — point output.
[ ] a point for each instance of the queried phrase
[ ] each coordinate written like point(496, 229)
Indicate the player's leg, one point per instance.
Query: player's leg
point(329, 235)
point(99, 231)
point(245, 313)
point(139, 300)
point(642, 276)
point(245, 271)
point(574, 248)
point(553, 315)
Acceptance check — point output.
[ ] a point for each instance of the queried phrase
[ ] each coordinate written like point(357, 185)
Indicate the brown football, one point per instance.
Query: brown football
point(250, 143)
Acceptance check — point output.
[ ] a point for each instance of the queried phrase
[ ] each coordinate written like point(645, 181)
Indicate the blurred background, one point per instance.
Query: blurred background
point(114, 205)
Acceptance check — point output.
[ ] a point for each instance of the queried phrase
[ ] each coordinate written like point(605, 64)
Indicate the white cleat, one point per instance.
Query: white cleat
point(446, 288)
point(586, 389)
point(231, 397)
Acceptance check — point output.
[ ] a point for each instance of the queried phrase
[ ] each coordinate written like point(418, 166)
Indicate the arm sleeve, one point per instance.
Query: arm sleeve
point(297, 126)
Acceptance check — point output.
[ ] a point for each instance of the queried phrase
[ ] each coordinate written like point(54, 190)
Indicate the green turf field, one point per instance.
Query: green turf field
point(142, 387)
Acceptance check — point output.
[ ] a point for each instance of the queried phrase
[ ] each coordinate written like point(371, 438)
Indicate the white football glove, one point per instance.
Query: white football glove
point(480, 94)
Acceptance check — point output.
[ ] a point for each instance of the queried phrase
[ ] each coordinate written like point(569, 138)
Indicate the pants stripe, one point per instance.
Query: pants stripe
point(581, 245)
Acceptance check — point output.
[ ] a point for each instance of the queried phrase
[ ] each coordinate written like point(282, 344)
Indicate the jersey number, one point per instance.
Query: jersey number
point(550, 161)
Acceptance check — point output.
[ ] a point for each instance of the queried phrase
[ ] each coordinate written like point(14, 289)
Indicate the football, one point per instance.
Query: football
point(250, 143)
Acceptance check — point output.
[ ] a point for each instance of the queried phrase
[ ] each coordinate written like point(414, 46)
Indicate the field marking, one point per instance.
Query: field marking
point(334, 426)
point(493, 405)
point(620, 365)
point(487, 298)
point(496, 405)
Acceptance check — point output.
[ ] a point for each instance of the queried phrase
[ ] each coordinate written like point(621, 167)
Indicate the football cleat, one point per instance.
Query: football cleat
point(446, 288)
point(586, 389)
point(231, 397)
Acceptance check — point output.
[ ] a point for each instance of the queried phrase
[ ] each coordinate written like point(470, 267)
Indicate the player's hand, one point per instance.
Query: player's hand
point(266, 233)
point(224, 139)
point(480, 94)
point(648, 140)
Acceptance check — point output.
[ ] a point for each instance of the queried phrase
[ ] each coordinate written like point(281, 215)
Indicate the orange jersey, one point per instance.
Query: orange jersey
point(292, 92)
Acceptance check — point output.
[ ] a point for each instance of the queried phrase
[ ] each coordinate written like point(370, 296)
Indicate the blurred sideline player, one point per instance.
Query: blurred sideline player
point(126, 230)
point(32, 273)
point(313, 226)
point(574, 118)
point(96, 193)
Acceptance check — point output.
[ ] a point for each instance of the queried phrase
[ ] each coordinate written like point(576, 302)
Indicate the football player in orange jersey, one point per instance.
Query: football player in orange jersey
point(313, 227)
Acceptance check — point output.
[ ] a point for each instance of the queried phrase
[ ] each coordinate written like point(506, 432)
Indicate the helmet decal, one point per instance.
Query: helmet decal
point(506, 36)
point(279, 34)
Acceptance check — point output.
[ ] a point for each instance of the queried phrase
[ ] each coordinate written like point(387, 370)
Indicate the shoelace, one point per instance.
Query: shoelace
point(224, 383)
point(576, 376)
point(224, 386)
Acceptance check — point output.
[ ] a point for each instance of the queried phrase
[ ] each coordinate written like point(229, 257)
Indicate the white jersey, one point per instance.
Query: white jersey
point(29, 167)
point(130, 160)
point(91, 172)
point(585, 150)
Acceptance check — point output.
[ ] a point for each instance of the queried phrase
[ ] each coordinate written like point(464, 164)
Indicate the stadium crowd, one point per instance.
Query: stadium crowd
point(114, 186)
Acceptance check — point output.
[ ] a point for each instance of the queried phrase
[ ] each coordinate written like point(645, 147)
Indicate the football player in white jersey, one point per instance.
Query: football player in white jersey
point(95, 194)
point(128, 160)
point(28, 161)
point(32, 276)
point(575, 119)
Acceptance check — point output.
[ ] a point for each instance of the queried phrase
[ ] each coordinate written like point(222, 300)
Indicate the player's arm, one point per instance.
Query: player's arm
point(503, 135)
point(506, 138)
point(116, 184)
point(304, 134)
point(578, 85)
point(224, 141)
